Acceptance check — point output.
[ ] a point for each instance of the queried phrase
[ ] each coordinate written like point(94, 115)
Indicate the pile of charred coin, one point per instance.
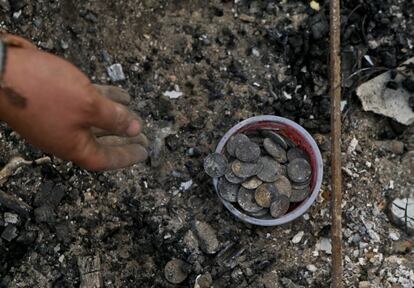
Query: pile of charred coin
point(262, 174)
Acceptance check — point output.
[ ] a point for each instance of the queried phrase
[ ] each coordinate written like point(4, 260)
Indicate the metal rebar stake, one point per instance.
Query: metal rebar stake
point(335, 94)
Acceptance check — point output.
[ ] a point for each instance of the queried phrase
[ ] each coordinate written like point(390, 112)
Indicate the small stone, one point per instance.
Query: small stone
point(5, 5)
point(299, 170)
point(9, 233)
point(298, 237)
point(176, 271)
point(311, 268)
point(173, 94)
point(393, 146)
point(184, 186)
point(315, 5)
point(394, 236)
point(270, 171)
point(207, 237)
point(234, 142)
point(215, 165)
point(279, 206)
point(252, 183)
point(402, 213)
point(275, 150)
point(116, 73)
point(246, 201)
point(11, 218)
point(204, 281)
point(245, 170)
point(248, 152)
point(324, 244)
point(228, 191)
point(265, 194)
point(246, 18)
point(364, 284)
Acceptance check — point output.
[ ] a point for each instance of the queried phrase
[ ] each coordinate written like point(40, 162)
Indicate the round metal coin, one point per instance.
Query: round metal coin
point(246, 201)
point(283, 186)
point(279, 206)
point(275, 137)
point(234, 142)
point(265, 195)
point(271, 169)
point(248, 152)
point(245, 170)
point(275, 150)
point(228, 191)
point(233, 178)
point(299, 170)
point(295, 153)
point(252, 183)
point(215, 165)
point(299, 195)
point(260, 214)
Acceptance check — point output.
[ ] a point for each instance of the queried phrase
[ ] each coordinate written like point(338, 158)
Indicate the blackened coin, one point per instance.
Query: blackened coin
point(275, 150)
point(248, 152)
point(245, 170)
point(271, 169)
point(299, 195)
point(246, 201)
point(279, 206)
point(283, 186)
point(252, 183)
point(234, 142)
point(299, 170)
point(265, 194)
point(303, 185)
point(215, 165)
point(295, 153)
point(228, 191)
point(260, 214)
point(275, 137)
point(233, 178)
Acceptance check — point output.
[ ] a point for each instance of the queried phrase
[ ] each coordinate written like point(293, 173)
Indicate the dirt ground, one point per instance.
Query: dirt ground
point(231, 60)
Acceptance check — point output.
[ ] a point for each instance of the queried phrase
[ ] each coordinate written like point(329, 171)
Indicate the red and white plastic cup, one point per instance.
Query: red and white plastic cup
point(302, 139)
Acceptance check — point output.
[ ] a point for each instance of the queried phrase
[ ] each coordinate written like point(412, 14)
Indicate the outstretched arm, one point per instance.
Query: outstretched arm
point(54, 106)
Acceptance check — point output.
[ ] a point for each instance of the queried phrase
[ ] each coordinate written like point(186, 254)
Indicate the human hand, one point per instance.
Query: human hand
point(53, 105)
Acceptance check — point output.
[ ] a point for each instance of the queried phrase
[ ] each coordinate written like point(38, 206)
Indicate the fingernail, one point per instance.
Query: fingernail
point(133, 128)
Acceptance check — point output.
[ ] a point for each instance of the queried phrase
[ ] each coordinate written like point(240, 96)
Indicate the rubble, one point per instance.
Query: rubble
point(376, 97)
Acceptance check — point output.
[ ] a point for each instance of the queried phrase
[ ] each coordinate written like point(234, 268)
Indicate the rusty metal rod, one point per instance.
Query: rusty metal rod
point(335, 94)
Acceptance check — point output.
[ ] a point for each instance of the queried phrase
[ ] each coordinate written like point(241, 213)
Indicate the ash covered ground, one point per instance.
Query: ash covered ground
point(229, 60)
